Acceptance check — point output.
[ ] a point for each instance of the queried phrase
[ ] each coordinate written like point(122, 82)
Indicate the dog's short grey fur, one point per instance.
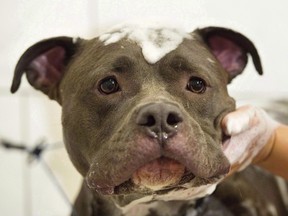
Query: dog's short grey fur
point(120, 113)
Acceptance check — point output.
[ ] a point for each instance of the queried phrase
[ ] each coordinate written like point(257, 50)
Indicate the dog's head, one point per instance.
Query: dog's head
point(142, 107)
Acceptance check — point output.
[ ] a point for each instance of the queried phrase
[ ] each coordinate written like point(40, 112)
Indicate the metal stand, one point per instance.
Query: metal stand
point(35, 154)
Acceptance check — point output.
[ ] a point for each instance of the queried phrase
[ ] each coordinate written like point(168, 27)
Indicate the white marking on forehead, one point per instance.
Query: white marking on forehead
point(156, 42)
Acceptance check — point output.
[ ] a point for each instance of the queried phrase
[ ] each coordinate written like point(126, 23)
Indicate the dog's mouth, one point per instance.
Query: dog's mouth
point(158, 175)
point(149, 168)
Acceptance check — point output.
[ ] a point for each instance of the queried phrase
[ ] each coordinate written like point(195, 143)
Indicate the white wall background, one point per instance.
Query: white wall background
point(28, 117)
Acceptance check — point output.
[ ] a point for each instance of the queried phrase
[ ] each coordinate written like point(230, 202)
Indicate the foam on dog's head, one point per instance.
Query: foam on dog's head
point(156, 41)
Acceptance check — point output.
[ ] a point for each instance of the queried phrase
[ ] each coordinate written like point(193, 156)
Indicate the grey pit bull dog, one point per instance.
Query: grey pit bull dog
point(141, 114)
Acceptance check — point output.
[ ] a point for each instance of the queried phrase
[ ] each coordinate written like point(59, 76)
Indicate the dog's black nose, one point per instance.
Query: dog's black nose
point(160, 119)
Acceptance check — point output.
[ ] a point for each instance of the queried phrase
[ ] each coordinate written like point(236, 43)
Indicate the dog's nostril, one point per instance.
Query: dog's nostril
point(146, 120)
point(173, 119)
point(150, 121)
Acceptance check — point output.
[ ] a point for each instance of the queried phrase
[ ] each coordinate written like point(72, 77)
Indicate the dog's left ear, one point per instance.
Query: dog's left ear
point(44, 64)
point(231, 49)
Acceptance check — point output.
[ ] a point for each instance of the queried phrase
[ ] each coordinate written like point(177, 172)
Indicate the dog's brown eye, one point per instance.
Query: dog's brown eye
point(196, 85)
point(109, 86)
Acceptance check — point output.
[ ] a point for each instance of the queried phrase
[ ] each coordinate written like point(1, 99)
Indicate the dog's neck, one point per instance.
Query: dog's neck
point(156, 208)
point(180, 195)
point(152, 208)
point(199, 207)
point(169, 204)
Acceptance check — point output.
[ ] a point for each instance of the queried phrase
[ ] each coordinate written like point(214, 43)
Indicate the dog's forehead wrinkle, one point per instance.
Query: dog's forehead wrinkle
point(155, 42)
point(123, 62)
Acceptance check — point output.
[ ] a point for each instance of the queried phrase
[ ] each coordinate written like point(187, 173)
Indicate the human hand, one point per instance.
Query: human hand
point(251, 133)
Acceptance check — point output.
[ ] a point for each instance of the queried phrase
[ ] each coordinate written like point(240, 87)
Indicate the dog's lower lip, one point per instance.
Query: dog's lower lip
point(129, 186)
point(158, 175)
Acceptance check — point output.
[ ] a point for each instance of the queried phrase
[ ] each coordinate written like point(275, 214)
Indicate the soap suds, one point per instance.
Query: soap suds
point(155, 42)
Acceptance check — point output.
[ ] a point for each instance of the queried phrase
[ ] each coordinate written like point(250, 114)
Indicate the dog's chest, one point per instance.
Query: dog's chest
point(162, 208)
point(157, 209)
point(202, 207)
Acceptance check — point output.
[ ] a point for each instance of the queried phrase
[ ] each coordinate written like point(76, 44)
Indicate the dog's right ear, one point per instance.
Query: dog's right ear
point(231, 49)
point(44, 64)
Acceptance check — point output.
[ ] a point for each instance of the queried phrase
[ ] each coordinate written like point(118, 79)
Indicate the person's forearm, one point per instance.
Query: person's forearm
point(276, 159)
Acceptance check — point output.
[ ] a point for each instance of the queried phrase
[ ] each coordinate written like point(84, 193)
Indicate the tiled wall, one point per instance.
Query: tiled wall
point(28, 116)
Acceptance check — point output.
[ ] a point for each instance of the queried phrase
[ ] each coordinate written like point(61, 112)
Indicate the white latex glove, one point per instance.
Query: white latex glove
point(251, 129)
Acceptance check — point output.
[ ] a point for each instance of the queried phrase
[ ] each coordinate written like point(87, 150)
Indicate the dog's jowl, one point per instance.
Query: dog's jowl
point(141, 113)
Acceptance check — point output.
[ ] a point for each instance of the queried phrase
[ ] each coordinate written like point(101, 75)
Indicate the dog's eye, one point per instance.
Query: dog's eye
point(109, 85)
point(196, 85)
